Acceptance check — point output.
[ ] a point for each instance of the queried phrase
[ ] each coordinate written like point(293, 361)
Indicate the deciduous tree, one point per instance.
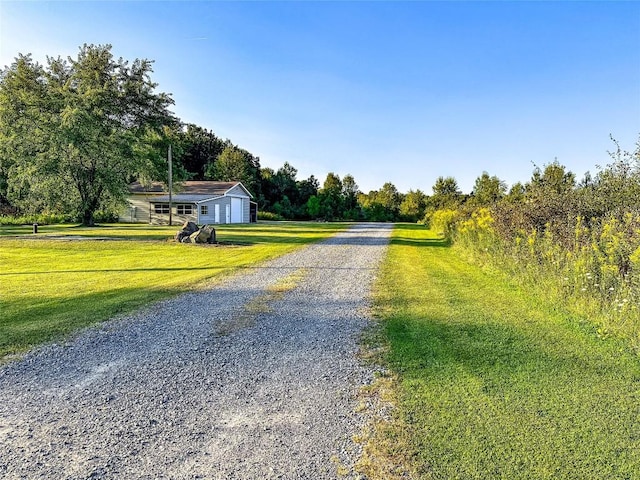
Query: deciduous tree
point(331, 198)
point(487, 190)
point(235, 164)
point(446, 194)
point(70, 132)
point(413, 206)
point(201, 147)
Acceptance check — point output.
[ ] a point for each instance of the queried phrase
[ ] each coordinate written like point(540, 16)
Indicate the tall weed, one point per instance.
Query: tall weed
point(596, 274)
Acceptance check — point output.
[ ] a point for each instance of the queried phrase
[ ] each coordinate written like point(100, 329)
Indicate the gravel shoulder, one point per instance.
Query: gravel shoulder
point(254, 378)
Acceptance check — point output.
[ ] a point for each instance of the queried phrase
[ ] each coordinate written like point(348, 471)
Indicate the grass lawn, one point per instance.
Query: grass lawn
point(51, 285)
point(493, 384)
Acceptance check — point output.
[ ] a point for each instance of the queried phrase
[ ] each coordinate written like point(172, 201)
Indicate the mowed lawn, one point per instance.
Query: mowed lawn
point(53, 285)
point(492, 383)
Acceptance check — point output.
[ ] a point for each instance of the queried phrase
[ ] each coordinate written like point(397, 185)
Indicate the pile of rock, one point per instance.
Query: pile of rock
point(191, 233)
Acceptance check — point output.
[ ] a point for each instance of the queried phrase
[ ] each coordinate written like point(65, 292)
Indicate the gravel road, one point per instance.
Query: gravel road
point(255, 378)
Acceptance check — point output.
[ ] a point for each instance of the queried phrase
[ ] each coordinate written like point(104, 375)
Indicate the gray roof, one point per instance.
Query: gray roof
point(208, 189)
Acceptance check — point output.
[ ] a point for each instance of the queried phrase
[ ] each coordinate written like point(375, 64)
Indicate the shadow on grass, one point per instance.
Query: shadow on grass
point(121, 270)
point(26, 323)
point(421, 242)
point(507, 392)
point(416, 235)
point(491, 350)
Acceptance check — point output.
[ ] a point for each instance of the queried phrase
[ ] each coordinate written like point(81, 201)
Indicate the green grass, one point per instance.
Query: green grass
point(51, 286)
point(493, 384)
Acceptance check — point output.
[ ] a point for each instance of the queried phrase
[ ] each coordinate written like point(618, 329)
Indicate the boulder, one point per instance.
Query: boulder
point(206, 234)
point(210, 232)
point(189, 228)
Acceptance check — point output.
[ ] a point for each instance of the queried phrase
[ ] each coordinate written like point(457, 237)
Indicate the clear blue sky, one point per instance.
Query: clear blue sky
point(386, 91)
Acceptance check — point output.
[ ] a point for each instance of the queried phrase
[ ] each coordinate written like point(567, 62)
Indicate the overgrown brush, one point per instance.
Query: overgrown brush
point(576, 245)
point(598, 276)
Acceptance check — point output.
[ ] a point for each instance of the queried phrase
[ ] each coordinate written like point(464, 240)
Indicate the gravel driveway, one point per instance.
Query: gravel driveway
point(255, 378)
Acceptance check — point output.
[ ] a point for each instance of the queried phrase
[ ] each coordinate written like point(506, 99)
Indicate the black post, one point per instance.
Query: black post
point(170, 184)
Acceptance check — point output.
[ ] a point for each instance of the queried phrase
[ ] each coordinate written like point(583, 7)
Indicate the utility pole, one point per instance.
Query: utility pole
point(170, 184)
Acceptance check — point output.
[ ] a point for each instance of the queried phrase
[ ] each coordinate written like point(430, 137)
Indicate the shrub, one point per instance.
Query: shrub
point(40, 218)
point(269, 216)
point(597, 272)
point(444, 222)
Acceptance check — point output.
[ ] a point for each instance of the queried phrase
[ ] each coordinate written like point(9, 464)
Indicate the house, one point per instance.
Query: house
point(201, 202)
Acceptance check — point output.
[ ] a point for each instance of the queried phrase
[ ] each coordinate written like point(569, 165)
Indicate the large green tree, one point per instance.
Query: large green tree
point(235, 164)
point(307, 188)
point(71, 131)
point(616, 189)
point(153, 149)
point(331, 198)
point(446, 194)
point(487, 190)
point(201, 148)
point(229, 166)
point(268, 188)
point(285, 182)
point(413, 206)
point(350, 192)
point(381, 205)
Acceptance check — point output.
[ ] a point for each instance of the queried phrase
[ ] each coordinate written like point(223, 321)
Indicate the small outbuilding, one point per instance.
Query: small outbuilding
point(202, 202)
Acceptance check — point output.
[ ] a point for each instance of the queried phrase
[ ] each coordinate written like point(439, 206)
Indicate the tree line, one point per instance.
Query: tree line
point(549, 203)
point(74, 133)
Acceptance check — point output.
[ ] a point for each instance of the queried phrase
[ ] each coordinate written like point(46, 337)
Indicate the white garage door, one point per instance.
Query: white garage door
point(236, 210)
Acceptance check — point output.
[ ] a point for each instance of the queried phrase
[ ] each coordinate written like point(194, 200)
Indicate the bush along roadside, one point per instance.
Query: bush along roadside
point(576, 244)
point(595, 273)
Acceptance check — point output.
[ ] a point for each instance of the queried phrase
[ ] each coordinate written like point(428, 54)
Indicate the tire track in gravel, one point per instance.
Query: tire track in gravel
point(254, 378)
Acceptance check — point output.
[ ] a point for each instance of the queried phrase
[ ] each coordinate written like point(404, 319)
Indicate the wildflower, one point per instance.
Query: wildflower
point(611, 289)
point(583, 289)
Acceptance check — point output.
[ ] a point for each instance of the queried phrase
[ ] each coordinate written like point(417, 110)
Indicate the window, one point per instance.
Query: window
point(204, 210)
point(161, 207)
point(185, 209)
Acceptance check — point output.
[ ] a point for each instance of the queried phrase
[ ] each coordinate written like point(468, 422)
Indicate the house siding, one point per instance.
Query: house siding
point(237, 191)
point(210, 216)
point(246, 210)
point(141, 210)
point(223, 202)
point(163, 218)
point(138, 210)
point(176, 219)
